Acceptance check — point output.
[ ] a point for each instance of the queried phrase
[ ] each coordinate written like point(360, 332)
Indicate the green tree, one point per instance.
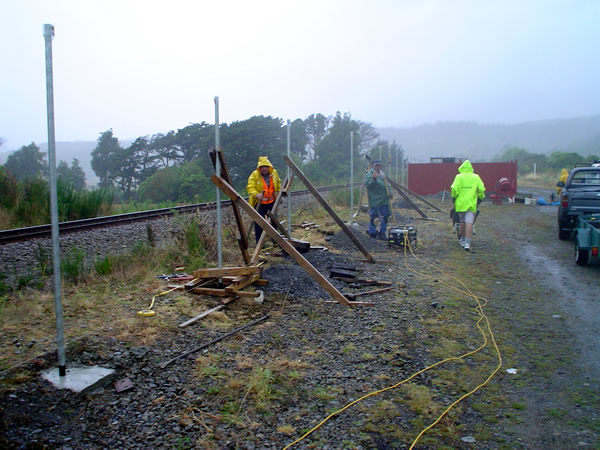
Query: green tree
point(8, 188)
point(316, 126)
point(74, 175)
point(299, 139)
point(559, 160)
point(525, 160)
point(244, 141)
point(27, 162)
point(106, 158)
point(161, 186)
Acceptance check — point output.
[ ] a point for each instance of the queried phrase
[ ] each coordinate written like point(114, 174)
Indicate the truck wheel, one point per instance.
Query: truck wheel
point(563, 235)
point(582, 257)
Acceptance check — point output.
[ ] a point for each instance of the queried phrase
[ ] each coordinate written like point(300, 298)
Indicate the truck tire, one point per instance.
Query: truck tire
point(582, 257)
point(564, 235)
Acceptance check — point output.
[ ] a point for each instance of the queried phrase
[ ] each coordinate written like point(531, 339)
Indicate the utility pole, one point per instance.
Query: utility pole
point(60, 338)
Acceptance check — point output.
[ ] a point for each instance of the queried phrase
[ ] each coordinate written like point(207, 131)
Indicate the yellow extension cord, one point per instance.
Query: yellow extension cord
point(150, 312)
point(482, 317)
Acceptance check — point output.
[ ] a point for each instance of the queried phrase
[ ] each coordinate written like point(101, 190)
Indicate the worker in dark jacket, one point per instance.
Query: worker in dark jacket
point(378, 200)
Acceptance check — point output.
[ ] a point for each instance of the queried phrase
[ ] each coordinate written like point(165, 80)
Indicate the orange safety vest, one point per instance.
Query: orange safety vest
point(268, 191)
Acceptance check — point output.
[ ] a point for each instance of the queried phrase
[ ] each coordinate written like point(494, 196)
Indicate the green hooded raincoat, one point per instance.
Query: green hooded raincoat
point(467, 188)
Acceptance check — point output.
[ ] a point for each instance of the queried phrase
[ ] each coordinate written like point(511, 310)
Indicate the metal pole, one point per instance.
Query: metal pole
point(351, 173)
point(60, 338)
point(397, 156)
point(218, 171)
point(289, 196)
point(402, 173)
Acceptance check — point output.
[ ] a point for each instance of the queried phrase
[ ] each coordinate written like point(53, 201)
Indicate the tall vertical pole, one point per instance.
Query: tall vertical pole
point(351, 173)
point(218, 171)
point(402, 169)
point(397, 156)
point(60, 338)
point(289, 194)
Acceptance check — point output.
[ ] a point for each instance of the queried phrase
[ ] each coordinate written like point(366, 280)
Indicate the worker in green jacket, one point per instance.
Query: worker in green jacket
point(378, 200)
point(467, 190)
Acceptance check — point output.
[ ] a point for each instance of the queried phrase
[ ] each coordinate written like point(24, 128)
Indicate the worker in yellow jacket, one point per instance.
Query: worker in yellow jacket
point(467, 190)
point(564, 174)
point(263, 186)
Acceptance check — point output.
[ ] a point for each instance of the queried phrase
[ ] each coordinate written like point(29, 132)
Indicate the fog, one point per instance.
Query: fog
point(146, 67)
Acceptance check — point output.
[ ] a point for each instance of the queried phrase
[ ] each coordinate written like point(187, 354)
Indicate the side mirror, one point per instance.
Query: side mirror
point(561, 184)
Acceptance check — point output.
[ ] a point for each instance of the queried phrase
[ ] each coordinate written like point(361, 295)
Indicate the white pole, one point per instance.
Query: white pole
point(534, 169)
point(218, 171)
point(60, 338)
point(351, 173)
point(289, 194)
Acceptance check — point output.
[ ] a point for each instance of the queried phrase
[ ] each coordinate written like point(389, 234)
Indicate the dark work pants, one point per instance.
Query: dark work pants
point(262, 210)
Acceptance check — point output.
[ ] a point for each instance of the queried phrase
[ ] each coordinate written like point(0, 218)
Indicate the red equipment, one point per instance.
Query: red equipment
point(504, 189)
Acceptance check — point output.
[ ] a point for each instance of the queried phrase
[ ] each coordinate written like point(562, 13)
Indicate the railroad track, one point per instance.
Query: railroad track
point(41, 231)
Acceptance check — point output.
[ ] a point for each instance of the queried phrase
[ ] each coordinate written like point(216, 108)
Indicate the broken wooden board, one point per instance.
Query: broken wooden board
point(365, 282)
point(342, 273)
point(226, 271)
point(200, 316)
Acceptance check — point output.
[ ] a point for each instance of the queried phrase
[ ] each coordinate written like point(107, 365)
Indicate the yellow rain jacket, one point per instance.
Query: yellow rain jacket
point(564, 174)
point(466, 189)
point(255, 181)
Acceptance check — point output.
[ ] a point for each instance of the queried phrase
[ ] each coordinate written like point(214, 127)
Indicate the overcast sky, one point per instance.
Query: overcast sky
point(147, 67)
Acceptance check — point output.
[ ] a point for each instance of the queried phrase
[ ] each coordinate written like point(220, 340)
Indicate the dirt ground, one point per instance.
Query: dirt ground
point(524, 374)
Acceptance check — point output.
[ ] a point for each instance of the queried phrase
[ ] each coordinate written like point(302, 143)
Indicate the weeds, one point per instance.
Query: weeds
point(72, 264)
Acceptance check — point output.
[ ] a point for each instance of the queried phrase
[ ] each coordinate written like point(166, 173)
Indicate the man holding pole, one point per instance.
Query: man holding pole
point(263, 186)
point(378, 195)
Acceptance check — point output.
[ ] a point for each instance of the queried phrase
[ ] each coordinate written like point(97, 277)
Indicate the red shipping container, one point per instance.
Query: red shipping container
point(433, 178)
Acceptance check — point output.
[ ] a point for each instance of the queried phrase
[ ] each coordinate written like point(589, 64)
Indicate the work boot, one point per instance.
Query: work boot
point(372, 235)
point(381, 236)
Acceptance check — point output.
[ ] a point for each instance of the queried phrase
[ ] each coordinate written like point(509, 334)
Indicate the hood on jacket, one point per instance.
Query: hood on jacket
point(264, 161)
point(465, 167)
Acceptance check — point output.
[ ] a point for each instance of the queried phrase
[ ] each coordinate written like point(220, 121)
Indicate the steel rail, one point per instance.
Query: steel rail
point(40, 231)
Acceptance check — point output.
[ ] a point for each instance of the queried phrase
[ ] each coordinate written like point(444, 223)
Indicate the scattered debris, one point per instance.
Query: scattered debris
point(123, 385)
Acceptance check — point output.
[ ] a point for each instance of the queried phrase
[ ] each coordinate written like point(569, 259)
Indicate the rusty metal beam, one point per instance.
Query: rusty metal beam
point(399, 187)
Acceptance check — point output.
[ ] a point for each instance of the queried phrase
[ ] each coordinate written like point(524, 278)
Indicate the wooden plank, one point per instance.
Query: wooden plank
point(365, 282)
point(209, 291)
point(242, 237)
point(289, 249)
point(225, 271)
point(335, 272)
point(374, 291)
point(409, 201)
point(242, 284)
point(328, 208)
point(399, 186)
point(200, 316)
point(275, 221)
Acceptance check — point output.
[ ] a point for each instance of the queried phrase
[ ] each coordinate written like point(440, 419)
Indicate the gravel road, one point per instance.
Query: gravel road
point(266, 386)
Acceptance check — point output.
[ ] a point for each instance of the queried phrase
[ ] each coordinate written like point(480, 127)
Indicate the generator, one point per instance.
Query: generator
point(398, 236)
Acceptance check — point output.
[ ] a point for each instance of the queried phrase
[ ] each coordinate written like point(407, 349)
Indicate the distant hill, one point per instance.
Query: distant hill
point(481, 142)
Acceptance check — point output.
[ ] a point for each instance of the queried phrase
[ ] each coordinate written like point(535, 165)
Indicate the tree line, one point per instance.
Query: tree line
point(175, 166)
point(555, 161)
